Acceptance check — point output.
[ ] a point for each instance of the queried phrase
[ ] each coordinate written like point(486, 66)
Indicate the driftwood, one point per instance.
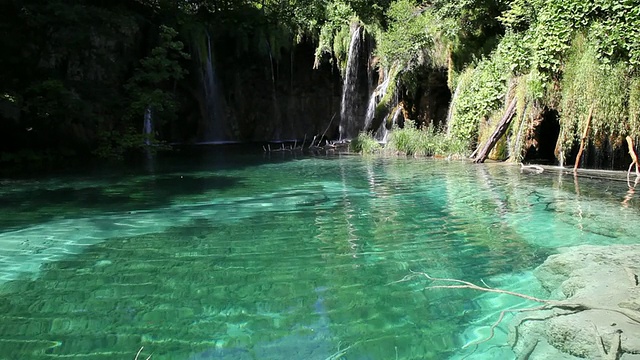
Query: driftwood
point(567, 305)
point(497, 133)
point(536, 168)
point(585, 134)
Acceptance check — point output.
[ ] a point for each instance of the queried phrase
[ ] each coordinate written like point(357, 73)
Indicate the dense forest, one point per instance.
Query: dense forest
point(108, 78)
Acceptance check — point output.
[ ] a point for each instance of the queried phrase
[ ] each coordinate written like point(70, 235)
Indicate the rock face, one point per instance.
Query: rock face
point(606, 278)
point(281, 100)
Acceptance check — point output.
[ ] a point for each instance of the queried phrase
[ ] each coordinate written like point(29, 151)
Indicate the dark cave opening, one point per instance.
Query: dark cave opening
point(541, 142)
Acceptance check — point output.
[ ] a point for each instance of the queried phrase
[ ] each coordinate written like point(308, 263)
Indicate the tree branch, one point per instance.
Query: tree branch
point(547, 304)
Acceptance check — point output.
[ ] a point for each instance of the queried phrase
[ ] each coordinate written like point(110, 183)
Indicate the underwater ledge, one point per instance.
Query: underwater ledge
point(606, 280)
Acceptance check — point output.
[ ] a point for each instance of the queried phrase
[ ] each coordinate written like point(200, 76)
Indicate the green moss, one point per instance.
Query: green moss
point(500, 150)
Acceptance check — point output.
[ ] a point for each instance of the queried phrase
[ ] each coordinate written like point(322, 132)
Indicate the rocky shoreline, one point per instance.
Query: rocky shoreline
point(606, 278)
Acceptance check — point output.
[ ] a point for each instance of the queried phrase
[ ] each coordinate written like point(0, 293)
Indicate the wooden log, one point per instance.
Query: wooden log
point(497, 133)
point(584, 138)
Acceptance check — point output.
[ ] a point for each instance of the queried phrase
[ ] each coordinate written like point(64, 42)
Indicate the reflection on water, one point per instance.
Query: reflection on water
point(280, 259)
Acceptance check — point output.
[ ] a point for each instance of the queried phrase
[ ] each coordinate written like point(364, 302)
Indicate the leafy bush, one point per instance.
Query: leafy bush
point(482, 91)
point(406, 37)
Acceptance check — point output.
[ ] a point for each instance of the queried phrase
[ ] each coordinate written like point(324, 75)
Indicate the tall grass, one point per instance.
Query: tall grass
point(365, 144)
point(427, 141)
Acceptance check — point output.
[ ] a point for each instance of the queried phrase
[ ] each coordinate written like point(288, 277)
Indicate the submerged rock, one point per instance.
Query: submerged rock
point(606, 279)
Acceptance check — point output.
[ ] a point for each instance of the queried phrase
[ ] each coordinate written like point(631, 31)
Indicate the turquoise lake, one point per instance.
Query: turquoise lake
point(220, 254)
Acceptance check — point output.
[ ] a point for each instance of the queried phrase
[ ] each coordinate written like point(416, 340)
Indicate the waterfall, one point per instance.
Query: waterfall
point(349, 115)
point(395, 119)
point(371, 110)
point(454, 98)
point(378, 126)
point(147, 128)
point(517, 148)
point(374, 100)
point(215, 117)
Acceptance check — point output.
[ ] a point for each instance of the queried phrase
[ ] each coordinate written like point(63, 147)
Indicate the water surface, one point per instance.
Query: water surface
point(251, 256)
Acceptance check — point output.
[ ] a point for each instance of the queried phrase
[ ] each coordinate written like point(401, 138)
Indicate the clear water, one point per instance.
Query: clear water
point(246, 256)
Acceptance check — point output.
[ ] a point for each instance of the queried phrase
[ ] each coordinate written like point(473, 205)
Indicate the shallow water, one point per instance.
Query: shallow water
point(250, 256)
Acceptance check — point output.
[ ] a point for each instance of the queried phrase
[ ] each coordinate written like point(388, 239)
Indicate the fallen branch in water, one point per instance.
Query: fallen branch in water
point(138, 354)
point(567, 304)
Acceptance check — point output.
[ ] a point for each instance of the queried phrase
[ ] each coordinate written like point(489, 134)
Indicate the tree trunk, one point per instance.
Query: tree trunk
point(497, 133)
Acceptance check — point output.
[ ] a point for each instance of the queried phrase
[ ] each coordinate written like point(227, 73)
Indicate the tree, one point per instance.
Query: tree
point(151, 90)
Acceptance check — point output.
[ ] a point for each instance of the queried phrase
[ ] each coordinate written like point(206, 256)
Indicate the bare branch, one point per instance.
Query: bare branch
point(138, 354)
point(468, 285)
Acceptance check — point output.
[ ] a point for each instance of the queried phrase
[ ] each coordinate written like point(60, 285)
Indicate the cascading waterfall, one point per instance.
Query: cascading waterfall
point(379, 131)
point(147, 128)
point(371, 110)
point(215, 117)
point(395, 119)
point(350, 121)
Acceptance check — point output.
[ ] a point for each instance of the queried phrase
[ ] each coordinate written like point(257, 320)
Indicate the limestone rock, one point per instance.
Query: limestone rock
point(603, 277)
